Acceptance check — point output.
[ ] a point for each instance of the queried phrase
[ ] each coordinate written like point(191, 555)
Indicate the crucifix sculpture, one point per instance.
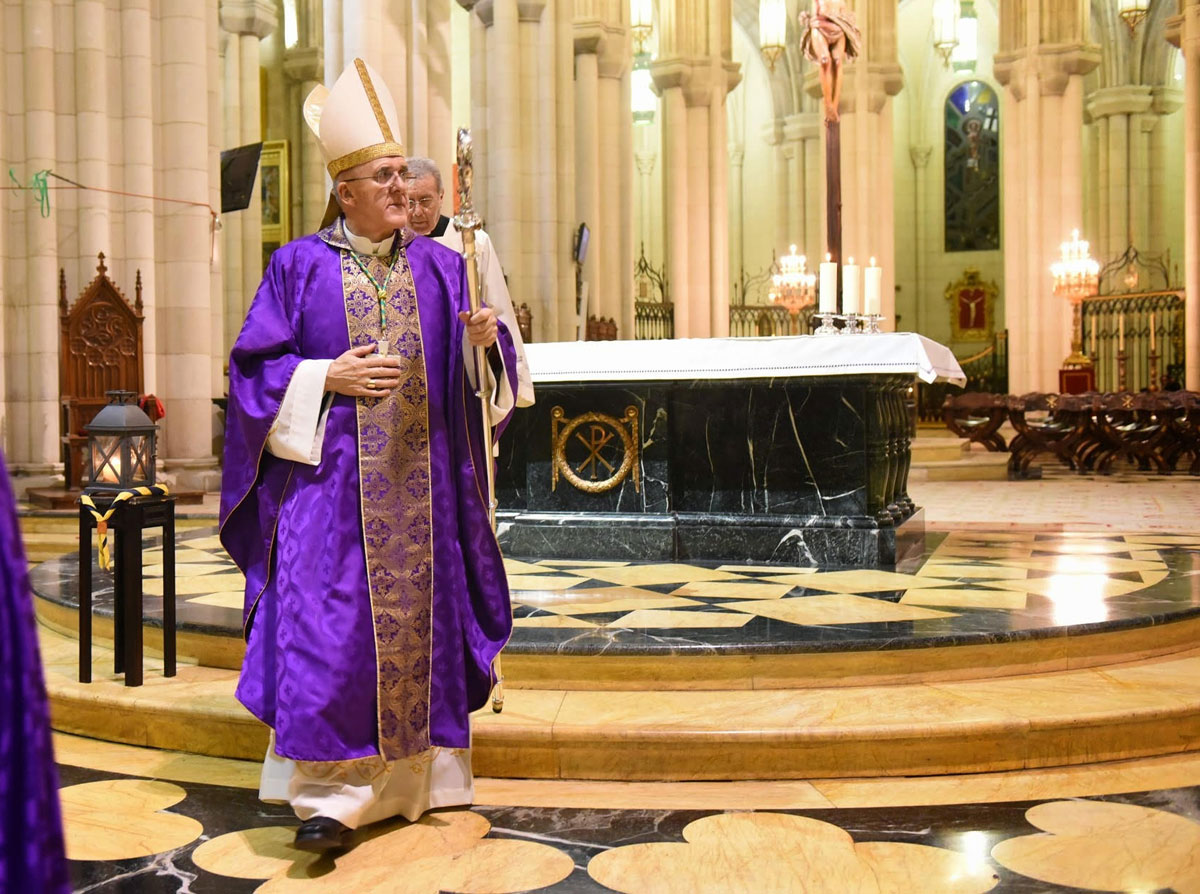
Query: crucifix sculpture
point(829, 37)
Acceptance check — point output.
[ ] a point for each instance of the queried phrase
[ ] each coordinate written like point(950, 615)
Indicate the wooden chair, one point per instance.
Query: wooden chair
point(1045, 423)
point(977, 417)
point(100, 350)
point(601, 329)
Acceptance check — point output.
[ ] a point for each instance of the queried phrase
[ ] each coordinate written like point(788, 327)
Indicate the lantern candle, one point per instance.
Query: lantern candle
point(873, 290)
point(828, 299)
point(850, 287)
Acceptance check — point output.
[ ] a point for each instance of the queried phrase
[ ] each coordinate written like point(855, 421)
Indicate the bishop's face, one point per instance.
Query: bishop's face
point(375, 197)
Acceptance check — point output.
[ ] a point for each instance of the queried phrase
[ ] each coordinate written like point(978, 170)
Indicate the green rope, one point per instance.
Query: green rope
point(40, 186)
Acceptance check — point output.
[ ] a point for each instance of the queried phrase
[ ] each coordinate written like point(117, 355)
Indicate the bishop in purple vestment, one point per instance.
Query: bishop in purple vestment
point(31, 836)
point(353, 497)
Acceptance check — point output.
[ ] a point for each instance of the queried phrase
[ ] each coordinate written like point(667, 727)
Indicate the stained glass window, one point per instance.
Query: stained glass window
point(972, 168)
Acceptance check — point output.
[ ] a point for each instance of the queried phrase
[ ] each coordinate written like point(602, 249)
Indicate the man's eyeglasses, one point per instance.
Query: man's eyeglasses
point(424, 204)
point(382, 177)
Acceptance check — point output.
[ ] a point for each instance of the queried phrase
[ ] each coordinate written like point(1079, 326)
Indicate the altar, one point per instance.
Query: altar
point(791, 450)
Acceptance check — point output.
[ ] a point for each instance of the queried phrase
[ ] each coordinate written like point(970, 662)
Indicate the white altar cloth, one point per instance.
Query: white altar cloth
point(743, 358)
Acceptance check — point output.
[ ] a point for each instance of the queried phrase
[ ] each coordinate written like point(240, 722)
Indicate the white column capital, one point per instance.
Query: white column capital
point(1054, 64)
point(249, 17)
point(883, 82)
point(304, 64)
point(920, 155)
point(737, 154)
point(1166, 100)
point(772, 132)
point(1183, 30)
point(1126, 99)
point(698, 77)
point(530, 10)
point(802, 126)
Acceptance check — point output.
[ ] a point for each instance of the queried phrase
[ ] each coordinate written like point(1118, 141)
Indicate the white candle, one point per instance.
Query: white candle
point(828, 300)
point(1151, 332)
point(873, 290)
point(850, 287)
point(1121, 332)
point(1095, 326)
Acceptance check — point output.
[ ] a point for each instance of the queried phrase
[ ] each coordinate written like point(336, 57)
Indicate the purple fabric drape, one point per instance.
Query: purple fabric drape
point(296, 530)
point(31, 838)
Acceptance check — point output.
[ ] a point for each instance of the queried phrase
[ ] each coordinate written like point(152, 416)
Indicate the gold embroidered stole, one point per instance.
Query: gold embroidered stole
point(394, 483)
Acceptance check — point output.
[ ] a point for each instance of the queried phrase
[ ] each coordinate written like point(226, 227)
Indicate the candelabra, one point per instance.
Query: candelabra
point(793, 287)
point(1076, 276)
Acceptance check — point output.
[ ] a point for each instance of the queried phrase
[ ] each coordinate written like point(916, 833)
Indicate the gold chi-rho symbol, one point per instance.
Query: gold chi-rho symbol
point(602, 449)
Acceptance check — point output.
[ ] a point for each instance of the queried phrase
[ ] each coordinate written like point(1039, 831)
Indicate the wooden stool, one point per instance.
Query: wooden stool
point(130, 519)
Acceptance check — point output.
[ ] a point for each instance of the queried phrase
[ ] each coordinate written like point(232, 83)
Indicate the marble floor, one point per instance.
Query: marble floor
point(969, 587)
point(139, 821)
point(1015, 562)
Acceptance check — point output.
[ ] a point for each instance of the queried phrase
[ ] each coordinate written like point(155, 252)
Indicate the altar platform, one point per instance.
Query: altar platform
point(791, 451)
point(990, 650)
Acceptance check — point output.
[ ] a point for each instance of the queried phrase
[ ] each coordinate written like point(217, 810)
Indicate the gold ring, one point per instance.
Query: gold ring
point(371, 384)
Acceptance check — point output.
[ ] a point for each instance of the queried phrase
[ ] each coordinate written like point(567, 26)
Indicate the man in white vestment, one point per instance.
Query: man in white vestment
point(425, 194)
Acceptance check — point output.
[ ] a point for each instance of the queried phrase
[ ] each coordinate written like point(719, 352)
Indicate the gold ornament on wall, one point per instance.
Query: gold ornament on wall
point(972, 306)
point(594, 452)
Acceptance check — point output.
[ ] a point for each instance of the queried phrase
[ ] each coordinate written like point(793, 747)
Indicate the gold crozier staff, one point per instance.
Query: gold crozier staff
point(467, 222)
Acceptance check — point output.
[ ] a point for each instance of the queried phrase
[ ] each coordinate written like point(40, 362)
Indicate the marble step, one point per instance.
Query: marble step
point(1118, 711)
point(975, 466)
point(936, 448)
point(986, 656)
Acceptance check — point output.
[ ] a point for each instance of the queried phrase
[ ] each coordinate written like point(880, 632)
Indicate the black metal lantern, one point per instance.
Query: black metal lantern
point(121, 446)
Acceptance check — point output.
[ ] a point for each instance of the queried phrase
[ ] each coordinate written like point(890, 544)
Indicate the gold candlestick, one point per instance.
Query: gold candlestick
point(1121, 358)
point(1153, 359)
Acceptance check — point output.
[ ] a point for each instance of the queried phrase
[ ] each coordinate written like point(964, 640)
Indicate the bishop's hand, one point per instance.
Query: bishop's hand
point(481, 327)
point(361, 372)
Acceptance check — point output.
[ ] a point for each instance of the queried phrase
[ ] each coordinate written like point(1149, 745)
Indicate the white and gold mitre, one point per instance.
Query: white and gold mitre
point(356, 121)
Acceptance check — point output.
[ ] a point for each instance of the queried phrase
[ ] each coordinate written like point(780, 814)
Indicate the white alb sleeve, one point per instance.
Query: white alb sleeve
point(299, 430)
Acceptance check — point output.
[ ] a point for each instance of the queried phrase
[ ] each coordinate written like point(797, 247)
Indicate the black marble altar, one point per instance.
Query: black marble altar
point(796, 470)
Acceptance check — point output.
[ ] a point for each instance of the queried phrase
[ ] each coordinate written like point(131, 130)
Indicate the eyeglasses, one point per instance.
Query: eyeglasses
point(424, 204)
point(382, 177)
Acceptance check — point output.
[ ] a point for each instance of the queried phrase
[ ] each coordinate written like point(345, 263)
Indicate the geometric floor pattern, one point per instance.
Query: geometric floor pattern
point(969, 586)
point(135, 834)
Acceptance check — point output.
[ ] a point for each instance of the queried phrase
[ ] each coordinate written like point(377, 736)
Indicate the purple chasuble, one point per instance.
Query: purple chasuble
point(31, 837)
point(376, 599)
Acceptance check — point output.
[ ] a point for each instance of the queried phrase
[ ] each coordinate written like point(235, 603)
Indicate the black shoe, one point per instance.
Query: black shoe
point(320, 834)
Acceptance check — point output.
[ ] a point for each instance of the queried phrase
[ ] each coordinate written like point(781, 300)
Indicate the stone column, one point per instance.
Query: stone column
point(522, 100)
point(1041, 63)
point(615, 179)
point(1184, 32)
point(34, 413)
point(1122, 110)
point(1167, 101)
point(305, 67)
point(137, 133)
point(920, 161)
point(737, 254)
point(587, 159)
point(92, 133)
point(246, 22)
point(184, 313)
point(645, 168)
point(781, 171)
point(693, 74)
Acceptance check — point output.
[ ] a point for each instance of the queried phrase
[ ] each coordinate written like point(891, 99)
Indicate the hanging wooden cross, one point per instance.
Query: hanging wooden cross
point(829, 37)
